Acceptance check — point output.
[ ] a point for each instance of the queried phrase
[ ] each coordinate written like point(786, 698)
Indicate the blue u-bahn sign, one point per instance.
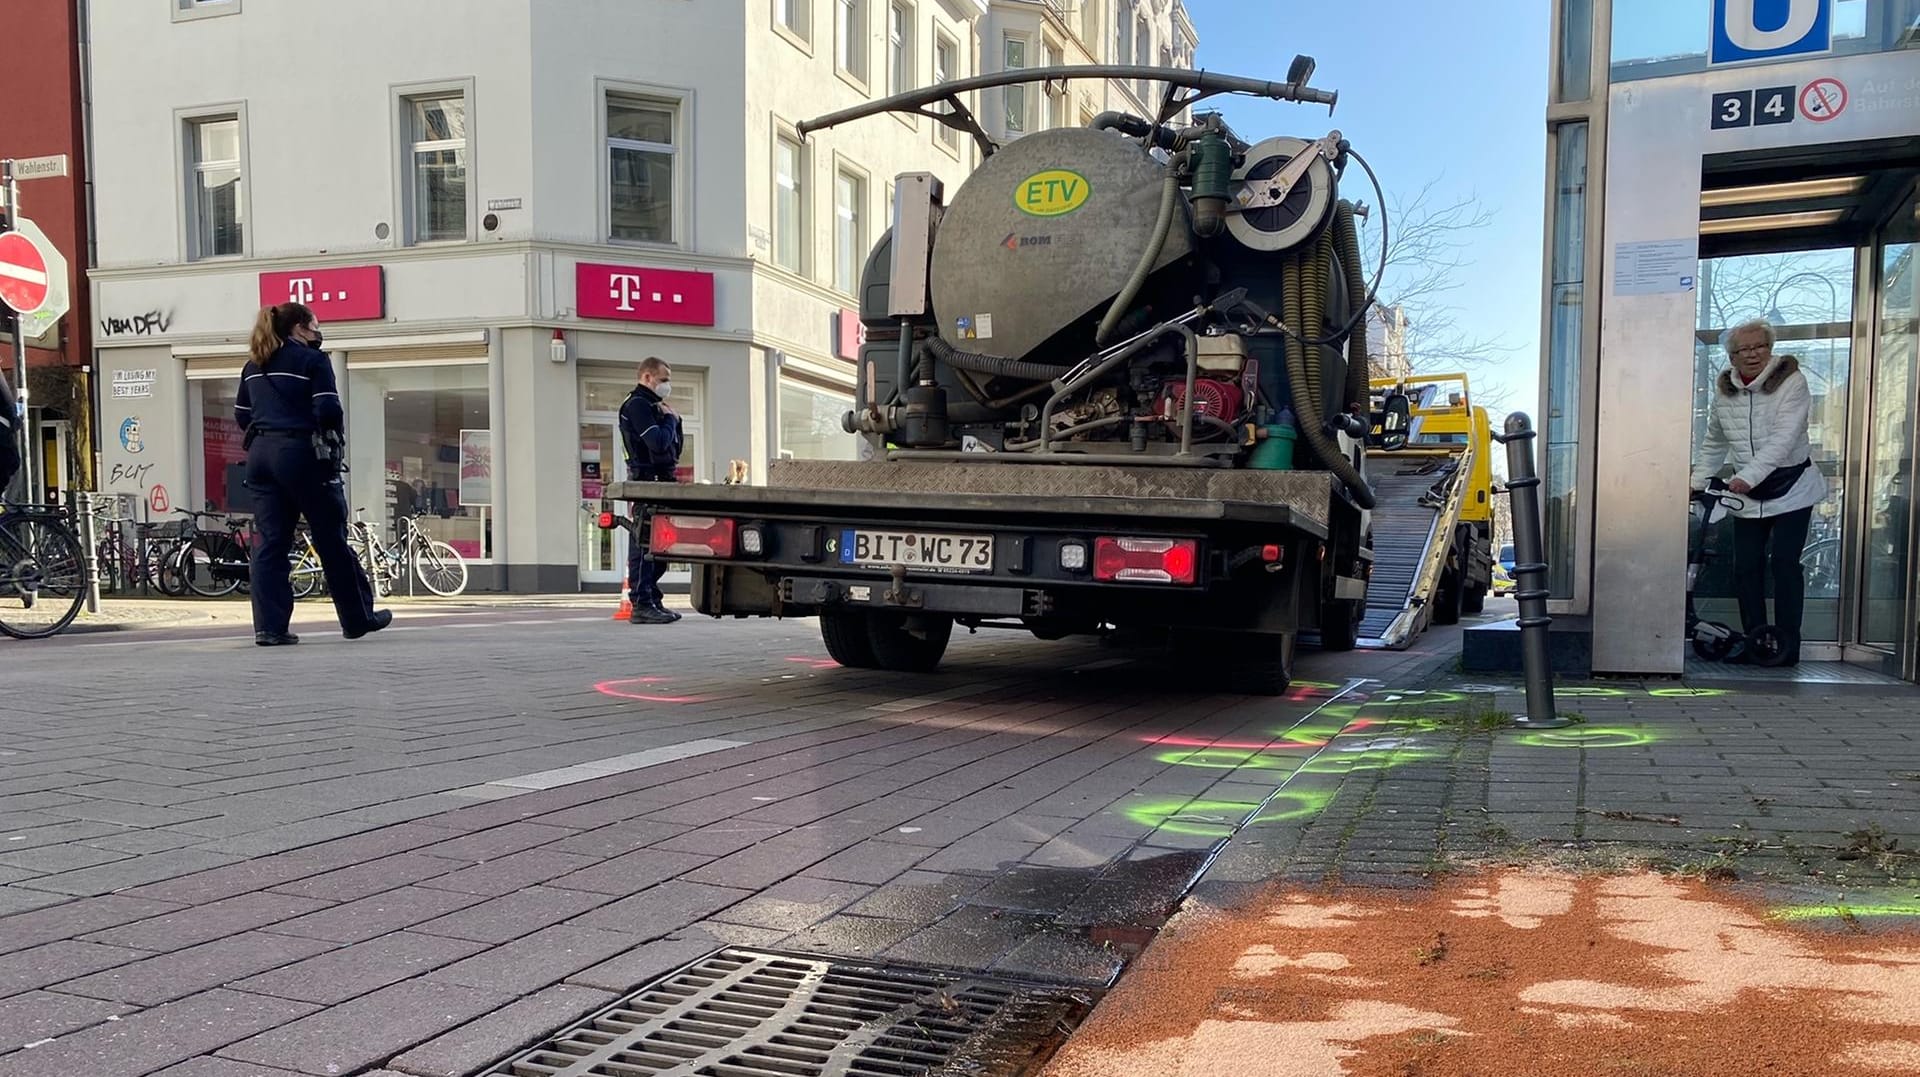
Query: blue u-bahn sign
point(1748, 30)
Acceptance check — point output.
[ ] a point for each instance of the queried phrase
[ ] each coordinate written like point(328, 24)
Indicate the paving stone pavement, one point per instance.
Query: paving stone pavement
point(319, 864)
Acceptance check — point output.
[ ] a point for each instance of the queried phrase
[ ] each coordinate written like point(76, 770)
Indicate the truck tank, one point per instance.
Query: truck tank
point(1044, 233)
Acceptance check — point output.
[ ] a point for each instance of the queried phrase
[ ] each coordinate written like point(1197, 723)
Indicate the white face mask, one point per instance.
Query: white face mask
point(665, 389)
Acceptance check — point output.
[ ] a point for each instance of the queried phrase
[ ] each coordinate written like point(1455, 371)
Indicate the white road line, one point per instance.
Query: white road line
point(597, 768)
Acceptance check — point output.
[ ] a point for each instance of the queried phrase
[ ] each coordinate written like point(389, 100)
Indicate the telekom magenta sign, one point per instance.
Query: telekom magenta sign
point(350, 294)
point(635, 294)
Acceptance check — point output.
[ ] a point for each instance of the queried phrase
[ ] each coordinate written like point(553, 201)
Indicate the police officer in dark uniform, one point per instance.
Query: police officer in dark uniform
point(650, 432)
point(287, 397)
point(9, 436)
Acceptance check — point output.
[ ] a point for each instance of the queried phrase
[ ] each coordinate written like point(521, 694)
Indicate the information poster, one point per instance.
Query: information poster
point(476, 467)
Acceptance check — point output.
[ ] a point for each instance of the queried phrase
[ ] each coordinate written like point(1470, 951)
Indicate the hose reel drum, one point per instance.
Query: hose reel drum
point(1295, 218)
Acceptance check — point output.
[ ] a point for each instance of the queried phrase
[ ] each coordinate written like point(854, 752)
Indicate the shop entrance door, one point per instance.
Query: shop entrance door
point(603, 554)
point(1889, 606)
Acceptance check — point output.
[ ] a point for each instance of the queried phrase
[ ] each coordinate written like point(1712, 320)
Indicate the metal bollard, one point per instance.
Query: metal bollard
point(1530, 573)
point(91, 539)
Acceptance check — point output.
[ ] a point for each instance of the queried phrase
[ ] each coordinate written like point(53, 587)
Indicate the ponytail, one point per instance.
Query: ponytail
point(273, 326)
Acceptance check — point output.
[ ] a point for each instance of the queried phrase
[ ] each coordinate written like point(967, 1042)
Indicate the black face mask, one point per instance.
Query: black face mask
point(317, 339)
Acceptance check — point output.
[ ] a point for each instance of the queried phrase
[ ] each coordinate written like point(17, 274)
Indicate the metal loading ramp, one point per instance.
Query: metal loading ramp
point(1416, 506)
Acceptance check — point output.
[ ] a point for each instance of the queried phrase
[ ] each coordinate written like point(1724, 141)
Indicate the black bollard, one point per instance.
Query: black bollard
point(1530, 573)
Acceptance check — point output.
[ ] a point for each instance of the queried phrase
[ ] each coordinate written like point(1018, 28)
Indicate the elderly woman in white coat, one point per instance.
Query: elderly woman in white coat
point(1758, 424)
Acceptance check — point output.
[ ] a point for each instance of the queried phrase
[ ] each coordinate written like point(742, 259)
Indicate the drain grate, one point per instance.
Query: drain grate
point(750, 1013)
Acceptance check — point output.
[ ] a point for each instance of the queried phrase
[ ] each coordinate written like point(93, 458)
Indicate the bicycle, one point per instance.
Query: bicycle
point(137, 562)
point(43, 571)
point(208, 563)
point(307, 576)
point(438, 566)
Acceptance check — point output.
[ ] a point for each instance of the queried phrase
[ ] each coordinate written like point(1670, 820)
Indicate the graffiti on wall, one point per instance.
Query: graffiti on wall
point(151, 323)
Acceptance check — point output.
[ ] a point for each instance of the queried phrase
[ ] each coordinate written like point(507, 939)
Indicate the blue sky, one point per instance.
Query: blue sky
point(1451, 93)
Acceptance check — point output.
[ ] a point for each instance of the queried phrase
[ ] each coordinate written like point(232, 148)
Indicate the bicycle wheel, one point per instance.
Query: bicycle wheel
point(166, 570)
point(43, 577)
point(107, 556)
point(206, 567)
point(306, 574)
point(440, 567)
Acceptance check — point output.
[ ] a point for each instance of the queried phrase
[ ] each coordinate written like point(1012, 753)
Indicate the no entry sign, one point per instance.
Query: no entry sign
point(23, 274)
point(33, 275)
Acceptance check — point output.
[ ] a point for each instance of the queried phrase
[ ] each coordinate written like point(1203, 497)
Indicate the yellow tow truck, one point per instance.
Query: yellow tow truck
point(1432, 523)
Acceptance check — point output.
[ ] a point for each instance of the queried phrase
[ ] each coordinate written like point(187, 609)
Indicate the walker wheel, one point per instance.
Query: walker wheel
point(1766, 646)
point(1714, 646)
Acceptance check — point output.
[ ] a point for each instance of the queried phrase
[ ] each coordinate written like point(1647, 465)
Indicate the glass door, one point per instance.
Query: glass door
point(1808, 298)
point(1887, 587)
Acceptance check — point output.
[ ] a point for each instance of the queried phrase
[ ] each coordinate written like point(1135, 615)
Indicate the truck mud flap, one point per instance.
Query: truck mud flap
point(954, 598)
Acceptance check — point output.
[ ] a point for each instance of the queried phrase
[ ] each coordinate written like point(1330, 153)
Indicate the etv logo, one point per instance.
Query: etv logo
point(1745, 30)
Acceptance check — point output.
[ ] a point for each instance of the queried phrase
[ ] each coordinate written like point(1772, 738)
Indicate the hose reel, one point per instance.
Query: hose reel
point(1269, 215)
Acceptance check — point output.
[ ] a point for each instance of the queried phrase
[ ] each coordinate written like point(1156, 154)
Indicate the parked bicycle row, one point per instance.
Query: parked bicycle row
point(43, 563)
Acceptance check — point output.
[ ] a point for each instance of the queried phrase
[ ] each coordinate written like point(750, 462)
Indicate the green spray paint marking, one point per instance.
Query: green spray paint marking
point(1340, 763)
point(1295, 804)
point(1687, 693)
point(1598, 736)
point(1844, 912)
point(1200, 818)
point(1222, 759)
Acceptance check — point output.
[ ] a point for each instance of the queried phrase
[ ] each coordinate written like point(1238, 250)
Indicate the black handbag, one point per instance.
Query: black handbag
point(1779, 481)
point(329, 447)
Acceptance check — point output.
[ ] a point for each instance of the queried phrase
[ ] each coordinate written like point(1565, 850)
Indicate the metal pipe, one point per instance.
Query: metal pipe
point(1203, 81)
point(1067, 384)
point(1530, 573)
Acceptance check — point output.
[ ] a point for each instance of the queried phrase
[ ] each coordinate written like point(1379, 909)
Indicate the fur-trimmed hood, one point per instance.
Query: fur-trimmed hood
point(1772, 377)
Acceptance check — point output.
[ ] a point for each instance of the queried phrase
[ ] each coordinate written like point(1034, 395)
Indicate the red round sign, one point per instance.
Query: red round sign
point(23, 274)
point(1823, 99)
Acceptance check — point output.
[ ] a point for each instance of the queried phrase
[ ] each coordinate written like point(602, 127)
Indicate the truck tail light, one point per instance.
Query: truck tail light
point(1145, 560)
point(606, 521)
point(691, 536)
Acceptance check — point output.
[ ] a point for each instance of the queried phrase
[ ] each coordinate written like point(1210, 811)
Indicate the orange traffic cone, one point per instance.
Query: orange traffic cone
point(626, 609)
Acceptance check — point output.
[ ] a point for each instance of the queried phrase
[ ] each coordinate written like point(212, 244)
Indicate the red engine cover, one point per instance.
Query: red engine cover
point(1220, 399)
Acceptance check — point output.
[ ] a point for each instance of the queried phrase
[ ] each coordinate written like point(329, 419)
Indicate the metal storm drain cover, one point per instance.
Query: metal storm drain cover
point(748, 1013)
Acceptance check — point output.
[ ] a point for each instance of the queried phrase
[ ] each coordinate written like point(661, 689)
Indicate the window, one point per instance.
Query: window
point(789, 203)
point(810, 423)
point(900, 47)
point(1143, 53)
point(1564, 351)
point(795, 16)
point(1016, 96)
point(218, 212)
point(849, 229)
point(411, 426)
point(945, 60)
point(1056, 93)
point(437, 168)
point(642, 145)
point(1122, 36)
point(850, 38)
point(186, 10)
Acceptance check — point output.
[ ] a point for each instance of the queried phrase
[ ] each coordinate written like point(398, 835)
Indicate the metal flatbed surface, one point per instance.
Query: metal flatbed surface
point(1407, 540)
point(1293, 499)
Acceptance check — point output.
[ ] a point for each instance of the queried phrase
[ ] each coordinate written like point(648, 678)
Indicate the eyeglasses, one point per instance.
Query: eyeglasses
point(1750, 349)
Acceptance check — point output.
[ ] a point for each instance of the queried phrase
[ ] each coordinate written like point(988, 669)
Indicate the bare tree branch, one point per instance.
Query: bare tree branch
point(1428, 255)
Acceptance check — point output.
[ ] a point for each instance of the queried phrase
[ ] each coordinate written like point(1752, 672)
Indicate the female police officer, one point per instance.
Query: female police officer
point(287, 398)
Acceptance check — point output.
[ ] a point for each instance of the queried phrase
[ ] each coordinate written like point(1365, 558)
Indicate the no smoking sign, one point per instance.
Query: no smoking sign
point(1819, 101)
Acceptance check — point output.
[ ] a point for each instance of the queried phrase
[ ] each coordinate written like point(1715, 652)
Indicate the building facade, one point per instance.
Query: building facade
point(1050, 33)
point(493, 232)
point(1710, 162)
point(43, 76)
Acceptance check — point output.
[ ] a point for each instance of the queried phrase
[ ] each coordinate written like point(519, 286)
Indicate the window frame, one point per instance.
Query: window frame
point(680, 102)
point(1143, 43)
point(1122, 26)
point(945, 137)
point(1053, 102)
point(195, 10)
point(784, 132)
point(187, 169)
point(404, 97)
point(800, 37)
point(844, 36)
point(862, 238)
point(1007, 40)
point(908, 48)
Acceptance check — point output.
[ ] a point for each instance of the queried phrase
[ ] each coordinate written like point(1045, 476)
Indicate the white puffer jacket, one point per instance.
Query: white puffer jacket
point(1759, 426)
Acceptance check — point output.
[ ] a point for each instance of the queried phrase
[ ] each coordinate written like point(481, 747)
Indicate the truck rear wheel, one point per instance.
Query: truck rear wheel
point(845, 635)
point(908, 643)
point(1447, 599)
point(1340, 628)
point(1259, 664)
point(1475, 600)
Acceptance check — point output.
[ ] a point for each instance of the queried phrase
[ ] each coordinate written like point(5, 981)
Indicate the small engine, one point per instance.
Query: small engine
point(1221, 399)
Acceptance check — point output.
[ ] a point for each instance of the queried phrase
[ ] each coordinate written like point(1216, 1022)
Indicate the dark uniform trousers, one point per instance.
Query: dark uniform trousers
point(288, 483)
point(643, 575)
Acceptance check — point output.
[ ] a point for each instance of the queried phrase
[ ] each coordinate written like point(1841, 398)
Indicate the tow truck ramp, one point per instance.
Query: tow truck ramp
point(1422, 495)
